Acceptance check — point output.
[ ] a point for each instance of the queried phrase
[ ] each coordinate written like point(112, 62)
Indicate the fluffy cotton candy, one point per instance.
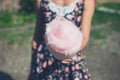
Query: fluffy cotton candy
point(63, 38)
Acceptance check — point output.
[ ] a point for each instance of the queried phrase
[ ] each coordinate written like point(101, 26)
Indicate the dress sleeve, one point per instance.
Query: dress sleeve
point(39, 26)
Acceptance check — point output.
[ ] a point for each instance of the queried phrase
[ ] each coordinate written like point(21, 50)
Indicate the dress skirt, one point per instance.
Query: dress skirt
point(44, 66)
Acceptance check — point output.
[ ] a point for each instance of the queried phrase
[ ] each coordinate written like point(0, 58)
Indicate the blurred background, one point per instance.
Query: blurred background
point(17, 24)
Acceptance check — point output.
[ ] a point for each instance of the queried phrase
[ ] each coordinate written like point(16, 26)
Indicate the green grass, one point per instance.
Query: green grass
point(104, 17)
point(98, 34)
point(115, 27)
point(104, 32)
point(25, 18)
point(115, 6)
point(113, 53)
point(16, 38)
point(8, 20)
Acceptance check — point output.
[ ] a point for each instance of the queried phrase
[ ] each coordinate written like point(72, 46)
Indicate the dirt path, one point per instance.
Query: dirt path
point(103, 58)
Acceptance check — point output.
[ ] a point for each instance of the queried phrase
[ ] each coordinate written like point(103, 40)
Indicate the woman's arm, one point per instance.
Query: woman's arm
point(89, 7)
point(38, 32)
point(88, 12)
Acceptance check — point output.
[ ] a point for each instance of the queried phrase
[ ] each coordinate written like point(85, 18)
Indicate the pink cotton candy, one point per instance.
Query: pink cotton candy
point(63, 38)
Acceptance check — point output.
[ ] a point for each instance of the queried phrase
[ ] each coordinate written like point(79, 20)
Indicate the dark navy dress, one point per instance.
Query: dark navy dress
point(44, 66)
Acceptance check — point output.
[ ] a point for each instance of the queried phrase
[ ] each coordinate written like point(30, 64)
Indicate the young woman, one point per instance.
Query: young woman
point(44, 66)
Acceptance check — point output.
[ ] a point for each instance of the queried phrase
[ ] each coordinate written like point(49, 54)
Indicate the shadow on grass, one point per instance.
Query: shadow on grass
point(5, 76)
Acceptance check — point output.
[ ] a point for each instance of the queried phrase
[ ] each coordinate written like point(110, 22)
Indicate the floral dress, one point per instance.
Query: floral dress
point(44, 66)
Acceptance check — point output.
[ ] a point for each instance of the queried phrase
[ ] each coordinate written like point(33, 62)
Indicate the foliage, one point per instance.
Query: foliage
point(26, 13)
point(114, 5)
point(6, 19)
point(27, 6)
point(98, 34)
point(25, 18)
point(103, 17)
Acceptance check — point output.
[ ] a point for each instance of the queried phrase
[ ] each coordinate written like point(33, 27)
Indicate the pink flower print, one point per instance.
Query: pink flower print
point(73, 62)
point(82, 56)
point(41, 5)
point(76, 9)
point(41, 70)
point(85, 70)
point(41, 56)
point(58, 71)
point(77, 66)
point(66, 69)
point(78, 58)
point(37, 69)
point(73, 22)
point(38, 60)
point(80, 1)
point(76, 78)
point(80, 11)
point(73, 68)
point(46, 6)
point(61, 78)
point(79, 19)
point(89, 75)
point(85, 76)
point(80, 75)
point(48, 14)
point(49, 62)
point(66, 75)
point(77, 74)
point(45, 64)
point(38, 55)
point(40, 47)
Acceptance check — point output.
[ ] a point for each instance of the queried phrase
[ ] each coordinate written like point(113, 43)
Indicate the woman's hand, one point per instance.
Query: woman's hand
point(66, 61)
point(34, 44)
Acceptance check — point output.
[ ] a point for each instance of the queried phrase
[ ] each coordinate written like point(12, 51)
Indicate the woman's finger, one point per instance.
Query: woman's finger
point(34, 44)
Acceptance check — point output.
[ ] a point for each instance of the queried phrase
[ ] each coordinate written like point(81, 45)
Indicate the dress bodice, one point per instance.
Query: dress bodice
point(72, 12)
point(62, 10)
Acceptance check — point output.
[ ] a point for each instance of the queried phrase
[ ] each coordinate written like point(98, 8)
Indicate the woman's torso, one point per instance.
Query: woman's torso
point(71, 10)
